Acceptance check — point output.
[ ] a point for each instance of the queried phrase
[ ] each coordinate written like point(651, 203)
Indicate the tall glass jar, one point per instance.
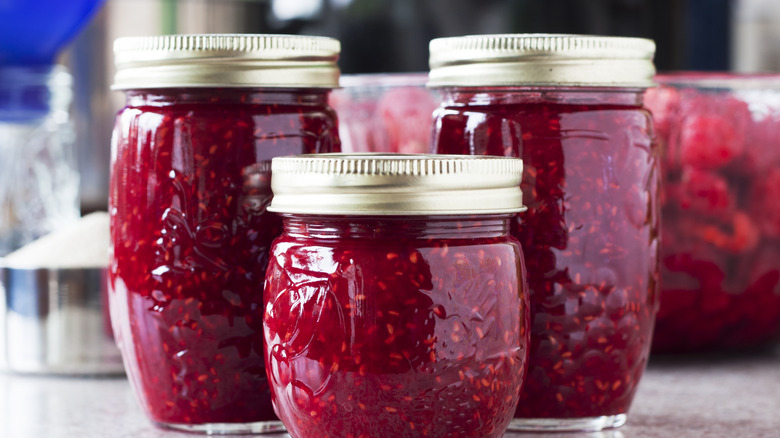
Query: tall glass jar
point(396, 302)
point(571, 108)
point(190, 183)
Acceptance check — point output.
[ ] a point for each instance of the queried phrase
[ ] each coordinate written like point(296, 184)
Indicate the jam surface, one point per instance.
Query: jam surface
point(590, 236)
point(720, 250)
point(190, 235)
point(405, 327)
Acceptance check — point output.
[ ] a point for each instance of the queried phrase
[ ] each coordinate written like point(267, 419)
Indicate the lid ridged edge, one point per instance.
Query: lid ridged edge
point(236, 44)
point(515, 45)
point(385, 165)
point(226, 60)
point(541, 59)
point(396, 184)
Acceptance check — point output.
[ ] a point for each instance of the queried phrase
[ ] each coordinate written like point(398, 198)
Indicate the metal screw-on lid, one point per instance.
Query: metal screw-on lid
point(226, 60)
point(396, 184)
point(541, 60)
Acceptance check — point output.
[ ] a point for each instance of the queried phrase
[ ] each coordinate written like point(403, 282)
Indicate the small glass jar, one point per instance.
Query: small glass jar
point(720, 252)
point(190, 183)
point(571, 108)
point(396, 301)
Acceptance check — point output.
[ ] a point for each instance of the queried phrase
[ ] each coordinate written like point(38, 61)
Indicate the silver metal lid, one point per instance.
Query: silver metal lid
point(396, 184)
point(541, 60)
point(226, 60)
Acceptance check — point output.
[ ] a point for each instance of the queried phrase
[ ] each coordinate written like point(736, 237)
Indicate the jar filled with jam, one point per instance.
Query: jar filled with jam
point(395, 298)
point(190, 183)
point(571, 108)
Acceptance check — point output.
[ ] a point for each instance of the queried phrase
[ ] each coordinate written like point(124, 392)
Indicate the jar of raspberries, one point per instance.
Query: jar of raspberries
point(720, 251)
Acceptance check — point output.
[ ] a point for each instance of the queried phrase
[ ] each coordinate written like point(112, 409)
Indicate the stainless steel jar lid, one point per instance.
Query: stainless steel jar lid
point(226, 60)
point(541, 60)
point(396, 184)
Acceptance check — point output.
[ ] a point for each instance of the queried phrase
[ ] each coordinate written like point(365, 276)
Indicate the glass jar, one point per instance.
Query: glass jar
point(39, 179)
point(385, 112)
point(571, 108)
point(720, 252)
point(190, 183)
point(396, 301)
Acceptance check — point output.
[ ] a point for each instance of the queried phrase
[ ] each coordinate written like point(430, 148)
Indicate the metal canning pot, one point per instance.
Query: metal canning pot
point(55, 321)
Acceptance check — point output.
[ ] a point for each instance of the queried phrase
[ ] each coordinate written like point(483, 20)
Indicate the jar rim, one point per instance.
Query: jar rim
point(719, 80)
point(226, 60)
point(372, 184)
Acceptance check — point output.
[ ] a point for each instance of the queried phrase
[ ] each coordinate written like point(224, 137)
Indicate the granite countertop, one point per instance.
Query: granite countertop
point(711, 396)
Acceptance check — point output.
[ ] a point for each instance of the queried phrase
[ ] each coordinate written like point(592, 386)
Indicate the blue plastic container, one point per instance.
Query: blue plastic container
point(34, 32)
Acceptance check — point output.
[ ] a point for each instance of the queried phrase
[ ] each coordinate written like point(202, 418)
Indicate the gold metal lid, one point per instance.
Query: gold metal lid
point(396, 184)
point(541, 60)
point(226, 60)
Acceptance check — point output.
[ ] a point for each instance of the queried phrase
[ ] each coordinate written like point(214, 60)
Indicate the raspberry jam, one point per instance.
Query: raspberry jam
point(721, 242)
point(571, 107)
point(190, 233)
point(589, 236)
point(395, 325)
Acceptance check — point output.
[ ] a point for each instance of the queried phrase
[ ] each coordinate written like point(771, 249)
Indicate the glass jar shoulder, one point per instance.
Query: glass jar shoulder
point(548, 111)
point(389, 248)
point(508, 123)
point(413, 263)
point(311, 104)
point(381, 242)
point(582, 97)
point(263, 124)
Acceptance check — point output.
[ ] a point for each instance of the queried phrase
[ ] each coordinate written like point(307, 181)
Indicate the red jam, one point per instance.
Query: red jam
point(721, 242)
point(384, 327)
point(190, 233)
point(589, 235)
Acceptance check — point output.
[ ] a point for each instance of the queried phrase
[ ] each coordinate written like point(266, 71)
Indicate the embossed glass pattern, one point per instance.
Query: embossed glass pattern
point(401, 326)
point(190, 236)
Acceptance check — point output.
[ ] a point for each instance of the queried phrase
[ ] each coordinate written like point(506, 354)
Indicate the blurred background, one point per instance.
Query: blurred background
point(392, 36)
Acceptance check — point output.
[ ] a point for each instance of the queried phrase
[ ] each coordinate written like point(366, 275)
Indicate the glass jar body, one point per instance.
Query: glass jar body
point(396, 326)
point(590, 238)
point(190, 236)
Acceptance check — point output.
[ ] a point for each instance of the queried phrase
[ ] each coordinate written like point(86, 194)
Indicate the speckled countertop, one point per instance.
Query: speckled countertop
point(701, 396)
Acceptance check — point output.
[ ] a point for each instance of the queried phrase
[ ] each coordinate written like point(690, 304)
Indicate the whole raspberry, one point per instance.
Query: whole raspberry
point(713, 131)
point(709, 141)
point(703, 192)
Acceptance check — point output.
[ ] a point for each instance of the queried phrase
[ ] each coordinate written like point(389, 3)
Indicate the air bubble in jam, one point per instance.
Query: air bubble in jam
point(190, 235)
point(395, 327)
point(589, 235)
